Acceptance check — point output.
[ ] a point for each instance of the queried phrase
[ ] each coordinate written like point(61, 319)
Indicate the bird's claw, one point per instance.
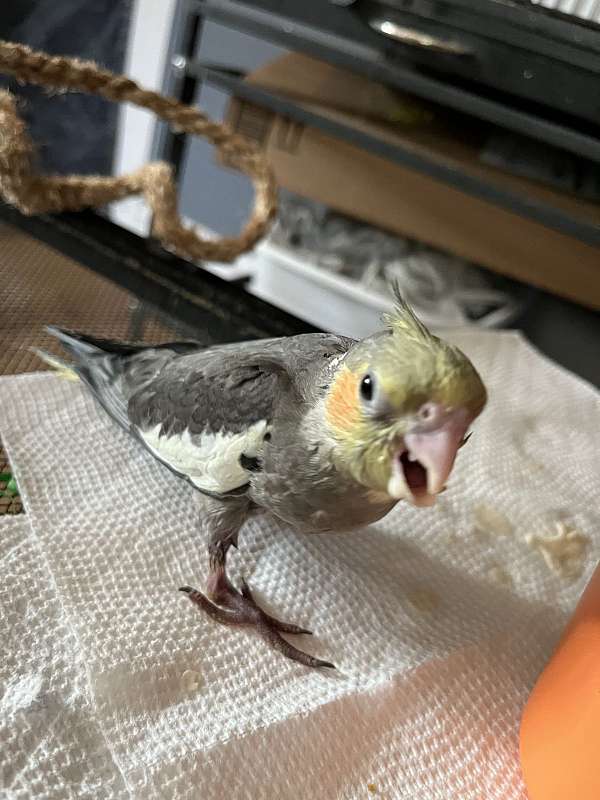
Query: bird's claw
point(241, 609)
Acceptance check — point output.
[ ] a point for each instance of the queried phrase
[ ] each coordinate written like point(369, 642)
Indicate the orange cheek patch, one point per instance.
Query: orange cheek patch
point(342, 407)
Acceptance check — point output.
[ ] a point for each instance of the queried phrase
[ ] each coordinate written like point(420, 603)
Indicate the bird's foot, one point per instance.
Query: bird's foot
point(235, 608)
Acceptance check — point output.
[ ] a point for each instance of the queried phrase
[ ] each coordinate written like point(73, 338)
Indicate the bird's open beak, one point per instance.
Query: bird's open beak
point(422, 464)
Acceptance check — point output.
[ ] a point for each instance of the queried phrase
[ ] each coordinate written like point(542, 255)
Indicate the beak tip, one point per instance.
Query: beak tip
point(423, 500)
point(437, 450)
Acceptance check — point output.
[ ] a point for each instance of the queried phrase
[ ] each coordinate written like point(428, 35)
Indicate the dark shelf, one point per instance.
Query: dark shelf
point(367, 56)
point(586, 230)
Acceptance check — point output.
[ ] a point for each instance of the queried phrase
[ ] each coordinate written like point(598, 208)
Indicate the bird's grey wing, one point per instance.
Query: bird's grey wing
point(203, 412)
point(207, 418)
point(206, 414)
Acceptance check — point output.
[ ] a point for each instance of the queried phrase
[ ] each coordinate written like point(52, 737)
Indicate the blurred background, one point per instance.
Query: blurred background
point(452, 147)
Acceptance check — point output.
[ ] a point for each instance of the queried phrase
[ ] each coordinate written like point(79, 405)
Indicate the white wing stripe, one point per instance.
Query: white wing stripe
point(210, 460)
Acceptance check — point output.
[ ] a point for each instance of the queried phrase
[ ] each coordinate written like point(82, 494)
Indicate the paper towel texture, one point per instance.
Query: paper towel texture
point(51, 743)
point(438, 619)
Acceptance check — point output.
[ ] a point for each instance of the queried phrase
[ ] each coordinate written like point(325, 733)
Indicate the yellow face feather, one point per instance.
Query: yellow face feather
point(409, 367)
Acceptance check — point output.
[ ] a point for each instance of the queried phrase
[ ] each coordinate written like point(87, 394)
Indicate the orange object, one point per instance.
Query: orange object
point(560, 729)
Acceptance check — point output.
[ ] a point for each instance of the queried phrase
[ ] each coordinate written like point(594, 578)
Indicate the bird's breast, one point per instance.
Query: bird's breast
point(326, 505)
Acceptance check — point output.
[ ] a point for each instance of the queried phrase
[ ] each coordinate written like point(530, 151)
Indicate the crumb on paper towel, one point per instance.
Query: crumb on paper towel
point(480, 534)
point(534, 466)
point(498, 574)
point(563, 551)
point(425, 600)
point(449, 538)
point(372, 788)
point(190, 680)
point(490, 520)
point(527, 426)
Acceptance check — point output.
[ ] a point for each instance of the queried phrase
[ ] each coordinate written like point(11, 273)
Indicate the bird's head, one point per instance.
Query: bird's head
point(399, 408)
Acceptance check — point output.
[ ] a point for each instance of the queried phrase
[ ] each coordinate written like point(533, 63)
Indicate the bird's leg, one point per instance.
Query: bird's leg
point(223, 603)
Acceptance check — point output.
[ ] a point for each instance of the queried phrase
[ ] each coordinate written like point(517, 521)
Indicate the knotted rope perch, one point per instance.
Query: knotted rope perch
point(39, 194)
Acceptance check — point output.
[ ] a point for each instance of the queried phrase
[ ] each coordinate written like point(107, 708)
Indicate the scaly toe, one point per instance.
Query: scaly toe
point(226, 616)
point(278, 643)
point(242, 610)
point(284, 627)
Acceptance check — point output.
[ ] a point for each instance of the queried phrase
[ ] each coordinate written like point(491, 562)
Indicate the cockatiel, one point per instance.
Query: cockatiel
point(325, 432)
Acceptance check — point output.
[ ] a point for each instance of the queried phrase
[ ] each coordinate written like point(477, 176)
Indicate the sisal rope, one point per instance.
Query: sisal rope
point(38, 194)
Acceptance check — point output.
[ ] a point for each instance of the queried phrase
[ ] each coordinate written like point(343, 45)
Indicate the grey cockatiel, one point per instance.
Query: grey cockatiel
point(324, 432)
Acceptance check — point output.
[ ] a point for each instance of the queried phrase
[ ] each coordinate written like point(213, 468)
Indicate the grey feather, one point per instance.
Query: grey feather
point(96, 369)
point(228, 387)
point(187, 387)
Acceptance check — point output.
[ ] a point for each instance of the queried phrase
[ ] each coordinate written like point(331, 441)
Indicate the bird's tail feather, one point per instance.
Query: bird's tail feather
point(82, 344)
point(61, 368)
point(100, 369)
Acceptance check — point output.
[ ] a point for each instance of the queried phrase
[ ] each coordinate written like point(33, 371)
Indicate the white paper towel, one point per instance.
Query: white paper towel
point(438, 619)
point(51, 743)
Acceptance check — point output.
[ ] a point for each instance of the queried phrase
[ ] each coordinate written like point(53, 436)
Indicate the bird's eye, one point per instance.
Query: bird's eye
point(367, 388)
